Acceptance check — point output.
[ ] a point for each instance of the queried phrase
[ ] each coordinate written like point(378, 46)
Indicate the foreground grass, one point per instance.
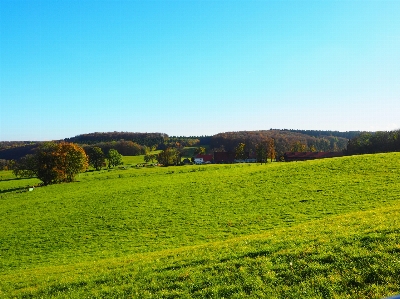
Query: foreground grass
point(350, 256)
point(212, 231)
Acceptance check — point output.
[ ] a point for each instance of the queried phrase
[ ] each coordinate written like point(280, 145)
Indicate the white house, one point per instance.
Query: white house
point(198, 160)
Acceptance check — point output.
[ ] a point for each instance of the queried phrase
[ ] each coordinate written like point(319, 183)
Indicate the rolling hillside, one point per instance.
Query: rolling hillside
point(129, 143)
point(317, 229)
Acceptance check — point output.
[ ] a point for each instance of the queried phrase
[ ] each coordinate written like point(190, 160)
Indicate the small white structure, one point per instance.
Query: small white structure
point(198, 160)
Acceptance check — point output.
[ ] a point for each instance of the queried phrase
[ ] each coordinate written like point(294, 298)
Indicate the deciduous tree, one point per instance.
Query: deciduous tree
point(149, 157)
point(73, 160)
point(298, 147)
point(114, 158)
point(200, 151)
point(53, 163)
point(169, 156)
point(261, 152)
point(97, 159)
point(240, 151)
point(24, 167)
point(271, 149)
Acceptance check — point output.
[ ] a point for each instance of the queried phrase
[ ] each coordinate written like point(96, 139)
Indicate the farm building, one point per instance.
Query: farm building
point(303, 156)
point(224, 157)
point(200, 159)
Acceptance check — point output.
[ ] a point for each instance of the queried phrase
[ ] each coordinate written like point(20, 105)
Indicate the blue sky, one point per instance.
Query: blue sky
point(197, 67)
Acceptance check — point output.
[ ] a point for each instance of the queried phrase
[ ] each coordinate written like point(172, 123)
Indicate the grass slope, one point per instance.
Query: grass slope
point(322, 229)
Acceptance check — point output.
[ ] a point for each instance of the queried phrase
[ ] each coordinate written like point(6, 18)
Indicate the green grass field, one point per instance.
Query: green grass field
point(317, 229)
point(134, 160)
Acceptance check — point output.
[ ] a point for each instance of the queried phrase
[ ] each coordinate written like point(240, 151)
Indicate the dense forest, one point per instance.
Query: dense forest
point(125, 148)
point(181, 141)
point(145, 139)
point(18, 151)
point(377, 142)
point(318, 133)
point(11, 144)
point(131, 144)
point(285, 141)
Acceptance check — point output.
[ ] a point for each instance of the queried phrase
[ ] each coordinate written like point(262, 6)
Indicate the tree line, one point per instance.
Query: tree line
point(132, 144)
point(13, 144)
point(54, 162)
point(321, 133)
point(377, 142)
point(125, 148)
point(284, 141)
point(144, 139)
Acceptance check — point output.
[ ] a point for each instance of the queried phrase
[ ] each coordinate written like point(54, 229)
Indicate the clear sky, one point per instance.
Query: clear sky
point(197, 67)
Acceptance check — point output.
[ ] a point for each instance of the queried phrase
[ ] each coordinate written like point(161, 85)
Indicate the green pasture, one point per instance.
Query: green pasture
point(317, 229)
point(134, 160)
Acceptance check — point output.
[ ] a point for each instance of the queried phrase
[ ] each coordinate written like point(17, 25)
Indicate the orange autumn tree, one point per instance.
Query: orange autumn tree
point(74, 160)
point(57, 162)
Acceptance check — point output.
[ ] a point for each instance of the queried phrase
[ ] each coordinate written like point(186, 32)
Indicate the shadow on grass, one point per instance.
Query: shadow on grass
point(19, 189)
point(15, 179)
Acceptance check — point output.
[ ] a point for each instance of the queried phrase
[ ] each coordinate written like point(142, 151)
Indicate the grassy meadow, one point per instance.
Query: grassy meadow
point(316, 229)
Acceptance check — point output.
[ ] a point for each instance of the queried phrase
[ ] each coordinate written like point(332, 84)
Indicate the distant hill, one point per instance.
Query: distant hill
point(17, 152)
point(146, 139)
point(284, 140)
point(11, 144)
point(318, 133)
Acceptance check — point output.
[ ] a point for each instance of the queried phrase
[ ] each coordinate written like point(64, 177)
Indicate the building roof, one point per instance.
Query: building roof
point(206, 158)
point(224, 157)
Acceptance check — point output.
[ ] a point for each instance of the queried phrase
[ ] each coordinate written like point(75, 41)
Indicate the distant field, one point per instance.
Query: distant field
point(317, 229)
point(10, 184)
point(133, 160)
